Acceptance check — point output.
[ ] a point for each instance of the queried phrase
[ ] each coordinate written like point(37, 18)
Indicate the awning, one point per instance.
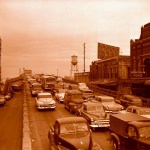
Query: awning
point(147, 82)
point(104, 82)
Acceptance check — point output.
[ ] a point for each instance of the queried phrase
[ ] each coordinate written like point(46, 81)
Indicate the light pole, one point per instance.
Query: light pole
point(84, 56)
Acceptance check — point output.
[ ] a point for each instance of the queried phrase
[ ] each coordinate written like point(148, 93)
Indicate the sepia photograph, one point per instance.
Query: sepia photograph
point(74, 75)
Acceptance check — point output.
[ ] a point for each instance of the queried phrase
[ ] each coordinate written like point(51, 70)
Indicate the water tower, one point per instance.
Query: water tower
point(74, 65)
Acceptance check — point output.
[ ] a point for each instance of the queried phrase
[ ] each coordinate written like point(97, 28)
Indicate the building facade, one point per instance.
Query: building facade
point(111, 70)
point(140, 54)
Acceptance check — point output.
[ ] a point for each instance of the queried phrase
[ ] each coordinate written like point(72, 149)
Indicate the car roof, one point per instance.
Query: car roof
point(44, 93)
point(92, 104)
point(137, 107)
point(131, 96)
point(73, 92)
point(71, 120)
point(105, 96)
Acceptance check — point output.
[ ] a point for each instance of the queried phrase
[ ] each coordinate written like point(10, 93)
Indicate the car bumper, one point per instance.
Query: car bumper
point(46, 107)
point(99, 125)
point(2, 102)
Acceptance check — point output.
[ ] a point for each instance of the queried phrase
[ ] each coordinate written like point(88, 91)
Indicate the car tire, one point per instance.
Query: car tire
point(114, 144)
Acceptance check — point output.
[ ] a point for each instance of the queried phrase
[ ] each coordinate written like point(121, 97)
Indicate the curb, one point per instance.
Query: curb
point(26, 139)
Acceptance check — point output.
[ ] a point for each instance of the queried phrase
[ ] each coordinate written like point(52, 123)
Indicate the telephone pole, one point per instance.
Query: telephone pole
point(84, 56)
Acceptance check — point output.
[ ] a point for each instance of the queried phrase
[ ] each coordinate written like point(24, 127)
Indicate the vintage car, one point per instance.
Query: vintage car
point(109, 104)
point(73, 100)
point(142, 111)
point(36, 88)
point(2, 99)
point(71, 133)
point(87, 94)
point(45, 100)
point(59, 95)
point(127, 100)
point(82, 86)
point(95, 114)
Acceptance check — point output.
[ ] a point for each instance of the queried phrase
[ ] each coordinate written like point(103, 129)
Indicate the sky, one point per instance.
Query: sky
point(42, 35)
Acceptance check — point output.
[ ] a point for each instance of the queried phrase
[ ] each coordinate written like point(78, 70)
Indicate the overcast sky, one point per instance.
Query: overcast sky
point(42, 35)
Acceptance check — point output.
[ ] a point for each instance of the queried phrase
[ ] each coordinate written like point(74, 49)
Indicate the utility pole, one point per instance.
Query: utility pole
point(84, 56)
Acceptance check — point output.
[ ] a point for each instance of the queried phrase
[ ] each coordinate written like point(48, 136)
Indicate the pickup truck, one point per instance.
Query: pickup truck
point(129, 132)
point(71, 133)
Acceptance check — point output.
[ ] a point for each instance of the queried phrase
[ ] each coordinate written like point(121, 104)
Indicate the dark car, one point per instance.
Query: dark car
point(95, 114)
point(109, 103)
point(127, 100)
point(73, 100)
point(36, 88)
point(71, 133)
point(2, 99)
point(87, 94)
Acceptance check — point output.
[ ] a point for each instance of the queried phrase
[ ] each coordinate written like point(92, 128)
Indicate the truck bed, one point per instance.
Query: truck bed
point(119, 122)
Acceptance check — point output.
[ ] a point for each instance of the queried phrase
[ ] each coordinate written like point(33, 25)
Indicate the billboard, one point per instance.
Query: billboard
point(107, 51)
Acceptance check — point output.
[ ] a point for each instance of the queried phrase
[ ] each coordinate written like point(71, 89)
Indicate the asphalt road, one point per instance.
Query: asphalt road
point(11, 123)
point(39, 125)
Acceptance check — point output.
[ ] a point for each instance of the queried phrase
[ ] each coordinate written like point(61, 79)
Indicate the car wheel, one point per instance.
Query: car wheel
point(114, 145)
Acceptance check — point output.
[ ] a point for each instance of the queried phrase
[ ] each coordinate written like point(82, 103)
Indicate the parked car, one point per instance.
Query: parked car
point(109, 104)
point(73, 100)
point(45, 100)
point(127, 100)
point(71, 133)
point(142, 111)
point(2, 99)
point(59, 95)
point(95, 114)
point(36, 88)
point(87, 94)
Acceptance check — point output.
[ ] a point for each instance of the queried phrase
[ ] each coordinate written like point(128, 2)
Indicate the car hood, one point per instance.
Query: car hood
point(145, 141)
point(77, 141)
point(147, 116)
point(77, 100)
point(112, 106)
point(96, 115)
point(61, 94)
point(46, 100)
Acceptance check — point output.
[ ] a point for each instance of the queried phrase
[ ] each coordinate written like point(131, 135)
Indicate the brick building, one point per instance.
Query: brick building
point(111, 70)
point(140, 63)
point(140, 53)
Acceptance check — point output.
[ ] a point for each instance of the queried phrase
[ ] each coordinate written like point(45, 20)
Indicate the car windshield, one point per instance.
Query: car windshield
point(73, 128)
point(95, 108)
point(37, 87)
point(76, 96)
point(88, 92)
point(62, 90)
point(107, 100)
point(44, 96)
point(144, 132)
point(144, 111)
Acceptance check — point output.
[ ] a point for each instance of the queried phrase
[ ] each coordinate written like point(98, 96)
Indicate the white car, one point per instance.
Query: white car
point(2, 99)
point(45, 100)
point(109, 103)
point(142, 111)
point(59, 95)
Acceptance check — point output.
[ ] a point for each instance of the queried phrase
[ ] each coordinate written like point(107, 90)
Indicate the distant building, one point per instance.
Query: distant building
point(82, 77)
point(111, 70)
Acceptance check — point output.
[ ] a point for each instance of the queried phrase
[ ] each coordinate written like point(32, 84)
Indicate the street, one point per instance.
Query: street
point(40, 120)
point(11, 123)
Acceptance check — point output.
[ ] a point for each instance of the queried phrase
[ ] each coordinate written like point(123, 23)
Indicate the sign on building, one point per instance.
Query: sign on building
point(107, 51)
